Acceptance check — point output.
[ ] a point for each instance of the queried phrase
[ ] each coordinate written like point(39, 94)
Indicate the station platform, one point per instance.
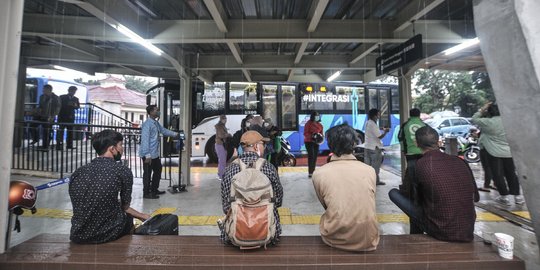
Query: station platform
point(200, 207)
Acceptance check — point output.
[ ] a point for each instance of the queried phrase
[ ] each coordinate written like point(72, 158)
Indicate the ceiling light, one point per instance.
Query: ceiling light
point(462, 46)
point(130, 34)
point(334, 76)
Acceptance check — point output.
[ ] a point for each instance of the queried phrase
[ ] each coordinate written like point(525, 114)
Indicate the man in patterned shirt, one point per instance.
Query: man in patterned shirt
point(447, 192)
point(94, 189)
point(253, 147)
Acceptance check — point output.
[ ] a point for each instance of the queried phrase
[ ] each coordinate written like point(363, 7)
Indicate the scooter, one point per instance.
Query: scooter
point(286, 158)
point(468, 147)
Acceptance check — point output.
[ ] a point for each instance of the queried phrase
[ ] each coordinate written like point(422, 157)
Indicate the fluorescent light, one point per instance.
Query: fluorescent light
point(462, 46)
point(334, 76)
point(130, 34)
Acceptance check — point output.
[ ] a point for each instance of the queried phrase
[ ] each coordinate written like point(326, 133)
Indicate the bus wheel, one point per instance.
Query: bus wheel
point(210, 150)
point(289, 161)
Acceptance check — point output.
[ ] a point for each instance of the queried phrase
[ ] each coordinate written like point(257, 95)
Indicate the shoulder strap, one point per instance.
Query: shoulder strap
point(240, 163)
point(259, 163)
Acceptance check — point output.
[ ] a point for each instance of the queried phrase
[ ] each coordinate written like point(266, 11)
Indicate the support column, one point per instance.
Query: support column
point(11, 16)
point(510, 42)
point(405, 104)
point(185, 124)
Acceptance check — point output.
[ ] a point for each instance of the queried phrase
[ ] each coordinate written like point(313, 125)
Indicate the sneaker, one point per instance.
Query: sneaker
point(310, 175)
point(151, 196)
point(381, 183)
point(159, 192)
point(503, 200)
point(519, 199)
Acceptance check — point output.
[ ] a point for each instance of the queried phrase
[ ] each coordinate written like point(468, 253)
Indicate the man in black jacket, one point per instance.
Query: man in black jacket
point(66, 117)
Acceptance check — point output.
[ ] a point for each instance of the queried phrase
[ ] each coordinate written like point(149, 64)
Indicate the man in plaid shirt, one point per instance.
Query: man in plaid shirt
point(253, 145)
point(446, 190)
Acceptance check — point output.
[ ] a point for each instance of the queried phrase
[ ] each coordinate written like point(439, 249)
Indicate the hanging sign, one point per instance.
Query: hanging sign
point(406, 52)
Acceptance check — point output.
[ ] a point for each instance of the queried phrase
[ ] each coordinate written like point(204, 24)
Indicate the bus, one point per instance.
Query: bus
point(287, 104)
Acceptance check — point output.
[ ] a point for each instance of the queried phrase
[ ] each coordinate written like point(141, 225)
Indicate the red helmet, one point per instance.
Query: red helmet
point(21, 194)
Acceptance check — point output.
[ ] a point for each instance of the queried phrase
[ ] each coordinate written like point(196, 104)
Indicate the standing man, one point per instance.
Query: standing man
point(412, 153)
point(69, 103)
point(447, 192)
point(222, 137)
point(149, 152)
point(373, 145)
point(100, 193)
point(48, 108)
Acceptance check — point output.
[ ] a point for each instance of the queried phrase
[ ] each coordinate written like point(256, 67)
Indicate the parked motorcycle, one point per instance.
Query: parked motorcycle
point(285, 157)
point(468, 147)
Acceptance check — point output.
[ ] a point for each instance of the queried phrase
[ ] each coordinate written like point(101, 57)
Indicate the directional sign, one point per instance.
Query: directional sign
point(406, 52)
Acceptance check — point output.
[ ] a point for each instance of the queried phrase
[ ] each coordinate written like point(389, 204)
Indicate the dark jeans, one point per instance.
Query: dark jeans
point(504, 168)
point(151, 175)
point(409, 186)
point(415, 213)
point(488, 175)
point(46, 131)
point(60, 132)
point(312, 153)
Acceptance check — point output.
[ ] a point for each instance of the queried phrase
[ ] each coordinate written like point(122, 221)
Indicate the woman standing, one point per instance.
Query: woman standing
point(313, 131)
point(221, 136)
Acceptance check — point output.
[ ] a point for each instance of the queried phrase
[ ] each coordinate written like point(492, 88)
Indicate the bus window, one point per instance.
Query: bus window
point(270, 102)
point(395, 100)
point(243, 96)
point(30, 96)
point(288, 107)
point(348, 91)
point(373, 101)
point(316, 99)
point(384, 120)
point(214, 97)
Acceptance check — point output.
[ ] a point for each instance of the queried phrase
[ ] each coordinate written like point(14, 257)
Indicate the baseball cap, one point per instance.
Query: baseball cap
point(251, 137)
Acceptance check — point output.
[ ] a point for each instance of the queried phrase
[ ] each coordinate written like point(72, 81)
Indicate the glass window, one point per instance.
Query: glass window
point(373, 101)
point(384, 121)
point(445, 123)
point(288, 105)
point(270, 102)
point(243, 96)
point(459, 122)
point(345, 98)
point(395, 100)
point(316, 99)
point(213, 98)
point(30, 96)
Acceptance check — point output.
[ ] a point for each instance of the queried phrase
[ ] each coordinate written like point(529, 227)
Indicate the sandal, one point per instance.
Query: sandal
point(484, 189)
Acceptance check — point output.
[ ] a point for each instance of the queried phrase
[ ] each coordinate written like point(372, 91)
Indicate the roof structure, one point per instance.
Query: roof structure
point(116, 94)
point(238, 40)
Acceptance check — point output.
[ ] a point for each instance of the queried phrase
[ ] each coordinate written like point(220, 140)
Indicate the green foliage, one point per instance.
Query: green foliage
point(137, 84)
point(444, 90)
point(89, 82)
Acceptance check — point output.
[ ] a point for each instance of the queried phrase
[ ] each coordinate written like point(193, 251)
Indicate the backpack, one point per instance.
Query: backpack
point(250, 222)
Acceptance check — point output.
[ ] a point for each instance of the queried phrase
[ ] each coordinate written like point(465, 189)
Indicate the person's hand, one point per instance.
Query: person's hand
point(145, 217)
point(486, 106)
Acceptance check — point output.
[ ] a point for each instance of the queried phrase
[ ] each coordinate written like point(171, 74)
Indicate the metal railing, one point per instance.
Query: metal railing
point(55, 158)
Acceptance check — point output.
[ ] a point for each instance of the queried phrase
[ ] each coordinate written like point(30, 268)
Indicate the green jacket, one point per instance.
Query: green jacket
point(408, 140)
point(493, 135)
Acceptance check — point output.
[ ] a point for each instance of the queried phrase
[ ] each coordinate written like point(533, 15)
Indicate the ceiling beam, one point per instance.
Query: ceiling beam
point(363, 51)
point(218, 14)
point(235, 50)
point(300, 52)
point(247, 75)
point(414, 11)
point(290, 75)
point(76, 45)
point(316, 14)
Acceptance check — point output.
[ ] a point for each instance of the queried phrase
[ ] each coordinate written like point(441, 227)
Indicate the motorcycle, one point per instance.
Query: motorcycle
point(285, 157)
point(468, 147)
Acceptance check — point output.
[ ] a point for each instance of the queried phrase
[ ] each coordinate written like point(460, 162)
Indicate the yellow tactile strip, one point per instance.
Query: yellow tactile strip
point(286, 216)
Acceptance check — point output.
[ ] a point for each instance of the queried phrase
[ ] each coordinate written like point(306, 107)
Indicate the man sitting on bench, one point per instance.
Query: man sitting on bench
point(446, 190)
point(98, 216)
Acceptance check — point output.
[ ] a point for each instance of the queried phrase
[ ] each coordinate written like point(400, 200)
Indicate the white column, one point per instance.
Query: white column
point(509, 33)
point(405, 104)
point(185, 124)
point(11, 16)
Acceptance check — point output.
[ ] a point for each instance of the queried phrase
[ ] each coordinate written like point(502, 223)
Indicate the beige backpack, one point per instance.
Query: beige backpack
point(250, 222)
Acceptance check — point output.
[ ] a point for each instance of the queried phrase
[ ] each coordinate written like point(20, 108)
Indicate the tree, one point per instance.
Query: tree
point(89, 82)
point(137, 84)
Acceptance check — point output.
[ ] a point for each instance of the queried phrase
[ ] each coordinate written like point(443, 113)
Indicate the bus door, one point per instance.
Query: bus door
point(170, 111)
point(279, 104)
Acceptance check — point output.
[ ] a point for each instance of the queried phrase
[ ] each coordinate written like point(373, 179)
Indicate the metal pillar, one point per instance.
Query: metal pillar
point(185, 124)
point(405, 101)
point(11, 16)
point(509, 38)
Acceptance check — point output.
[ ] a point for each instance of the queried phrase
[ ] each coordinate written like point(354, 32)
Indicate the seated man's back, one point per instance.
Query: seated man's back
point(447, 194)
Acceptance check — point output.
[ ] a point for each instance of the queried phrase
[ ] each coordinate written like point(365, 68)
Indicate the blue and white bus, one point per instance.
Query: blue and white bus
point(287, 104)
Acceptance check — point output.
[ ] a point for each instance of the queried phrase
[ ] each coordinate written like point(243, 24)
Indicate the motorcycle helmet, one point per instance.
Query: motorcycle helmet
point(317, 138)
point(21, 195)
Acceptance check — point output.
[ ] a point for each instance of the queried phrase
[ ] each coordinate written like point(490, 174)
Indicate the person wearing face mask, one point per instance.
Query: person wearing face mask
point(253, 145)
point(312, 127)
point(222, 135)
point(373, 145)
point(274, 146)
point(149, 152)
point(100, 193)
point(244, 126)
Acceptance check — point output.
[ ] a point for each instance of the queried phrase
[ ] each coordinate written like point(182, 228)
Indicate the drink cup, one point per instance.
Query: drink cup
point(505, 244)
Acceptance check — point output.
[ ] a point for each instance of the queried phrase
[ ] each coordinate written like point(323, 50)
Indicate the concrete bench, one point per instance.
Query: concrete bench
point(50, 251)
